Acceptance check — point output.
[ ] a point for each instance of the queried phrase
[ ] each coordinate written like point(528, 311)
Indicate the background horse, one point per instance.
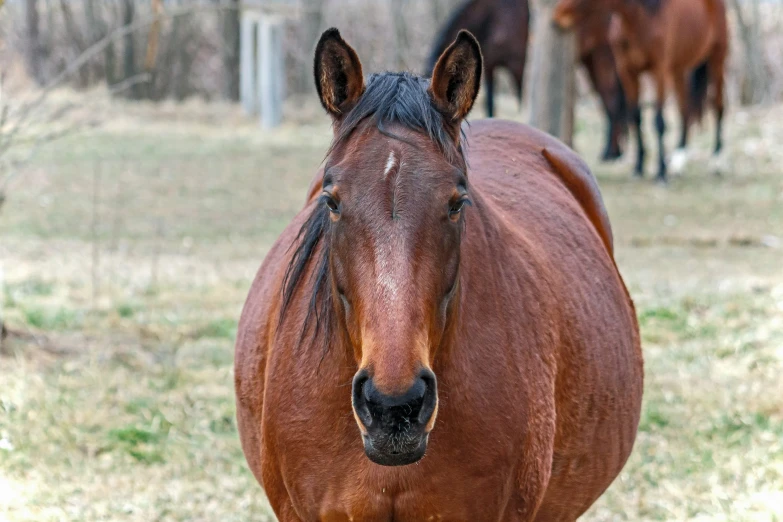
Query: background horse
point(501, 27)
point(685, 40)
point(417, 305)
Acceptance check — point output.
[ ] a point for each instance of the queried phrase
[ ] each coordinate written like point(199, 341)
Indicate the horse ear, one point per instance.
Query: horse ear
point(338, 74)
point(457, 77)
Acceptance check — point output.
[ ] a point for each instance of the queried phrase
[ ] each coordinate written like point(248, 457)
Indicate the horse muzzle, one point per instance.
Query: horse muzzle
point(395, 428)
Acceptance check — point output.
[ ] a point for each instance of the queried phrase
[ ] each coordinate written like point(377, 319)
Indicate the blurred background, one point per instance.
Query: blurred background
point(141, 185)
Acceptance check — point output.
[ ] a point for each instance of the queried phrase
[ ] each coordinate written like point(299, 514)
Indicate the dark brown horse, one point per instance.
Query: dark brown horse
point(501, 27)
point(442, 293)
point(680, 41)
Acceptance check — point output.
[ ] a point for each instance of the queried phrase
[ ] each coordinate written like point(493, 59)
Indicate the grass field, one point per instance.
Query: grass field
point(128, 252)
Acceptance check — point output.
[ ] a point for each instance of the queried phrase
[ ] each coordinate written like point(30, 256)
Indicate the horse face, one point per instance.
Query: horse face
point(395, 190)
point(397, 218)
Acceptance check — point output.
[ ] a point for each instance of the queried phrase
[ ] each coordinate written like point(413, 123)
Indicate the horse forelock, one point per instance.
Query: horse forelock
point(401, 99)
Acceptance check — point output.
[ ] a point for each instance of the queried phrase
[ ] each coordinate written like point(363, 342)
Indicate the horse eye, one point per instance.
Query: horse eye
point(456, 207)
point(331, 204)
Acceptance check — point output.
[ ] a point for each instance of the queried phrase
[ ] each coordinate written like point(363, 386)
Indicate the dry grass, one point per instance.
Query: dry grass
point(119, 406)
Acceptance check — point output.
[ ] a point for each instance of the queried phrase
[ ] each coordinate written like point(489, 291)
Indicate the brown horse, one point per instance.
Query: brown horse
point(440, 292)
point(677, 40)
point(502, 26)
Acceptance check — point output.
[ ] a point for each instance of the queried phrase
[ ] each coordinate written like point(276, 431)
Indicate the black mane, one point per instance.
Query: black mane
point(389, 98)
point(399, 98)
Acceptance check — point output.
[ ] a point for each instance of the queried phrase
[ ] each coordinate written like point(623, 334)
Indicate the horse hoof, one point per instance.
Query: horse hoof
point(662, 181)
point(678, 161)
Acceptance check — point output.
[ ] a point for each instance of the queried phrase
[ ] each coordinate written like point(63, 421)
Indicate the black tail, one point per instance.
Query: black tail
point(698, 94)
point(447, 34)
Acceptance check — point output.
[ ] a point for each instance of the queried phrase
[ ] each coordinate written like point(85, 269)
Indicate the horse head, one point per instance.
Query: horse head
point(392, 207)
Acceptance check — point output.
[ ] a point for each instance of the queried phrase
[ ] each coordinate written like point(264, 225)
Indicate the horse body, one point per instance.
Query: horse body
point(541, 385)
point(535, 347)
point(675, 41)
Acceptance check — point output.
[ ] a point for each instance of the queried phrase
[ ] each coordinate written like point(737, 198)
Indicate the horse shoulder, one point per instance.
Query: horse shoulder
point(258, 321)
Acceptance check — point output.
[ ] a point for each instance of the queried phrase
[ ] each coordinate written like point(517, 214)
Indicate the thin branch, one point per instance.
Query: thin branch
point(127, 83)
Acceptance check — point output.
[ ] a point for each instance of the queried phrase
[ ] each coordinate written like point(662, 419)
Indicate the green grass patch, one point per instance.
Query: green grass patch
point(126, 310)
point(145, 445)
point(59, 318)
point(218, 328)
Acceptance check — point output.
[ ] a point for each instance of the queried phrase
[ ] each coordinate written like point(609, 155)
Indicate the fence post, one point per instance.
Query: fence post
point(271, 70)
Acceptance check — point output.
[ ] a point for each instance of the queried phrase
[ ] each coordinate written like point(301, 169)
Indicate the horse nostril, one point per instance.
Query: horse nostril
point(359, 397)
point(368, 390)
point(430, 398)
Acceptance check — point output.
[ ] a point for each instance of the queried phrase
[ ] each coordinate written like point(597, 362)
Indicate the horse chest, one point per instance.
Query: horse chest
point(420, 504)
point(437, 489)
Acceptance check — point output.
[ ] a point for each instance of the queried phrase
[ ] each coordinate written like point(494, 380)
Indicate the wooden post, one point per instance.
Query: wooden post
point(271, 70)
point(553, 87)
point(248, 77)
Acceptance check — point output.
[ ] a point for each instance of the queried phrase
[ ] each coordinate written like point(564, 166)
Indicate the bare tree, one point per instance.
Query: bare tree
point(311, 26)
point(400, 33)
point(77, 43)
point(230, 50)
point(33, 44)
point(755, 79)
point(553, 85)
point(128, 51)
point(153, 38)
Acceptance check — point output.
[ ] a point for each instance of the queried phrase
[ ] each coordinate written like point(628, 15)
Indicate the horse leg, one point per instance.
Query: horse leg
point(601, 68)
point(660, 124)
point(716, 66)
point(680, 156)
point(490, 88)
point(631, 86)
point(617, 119)
point(589, 62)
point(519, 80)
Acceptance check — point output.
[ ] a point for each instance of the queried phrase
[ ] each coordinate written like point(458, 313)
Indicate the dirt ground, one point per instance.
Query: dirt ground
point(128, 251)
